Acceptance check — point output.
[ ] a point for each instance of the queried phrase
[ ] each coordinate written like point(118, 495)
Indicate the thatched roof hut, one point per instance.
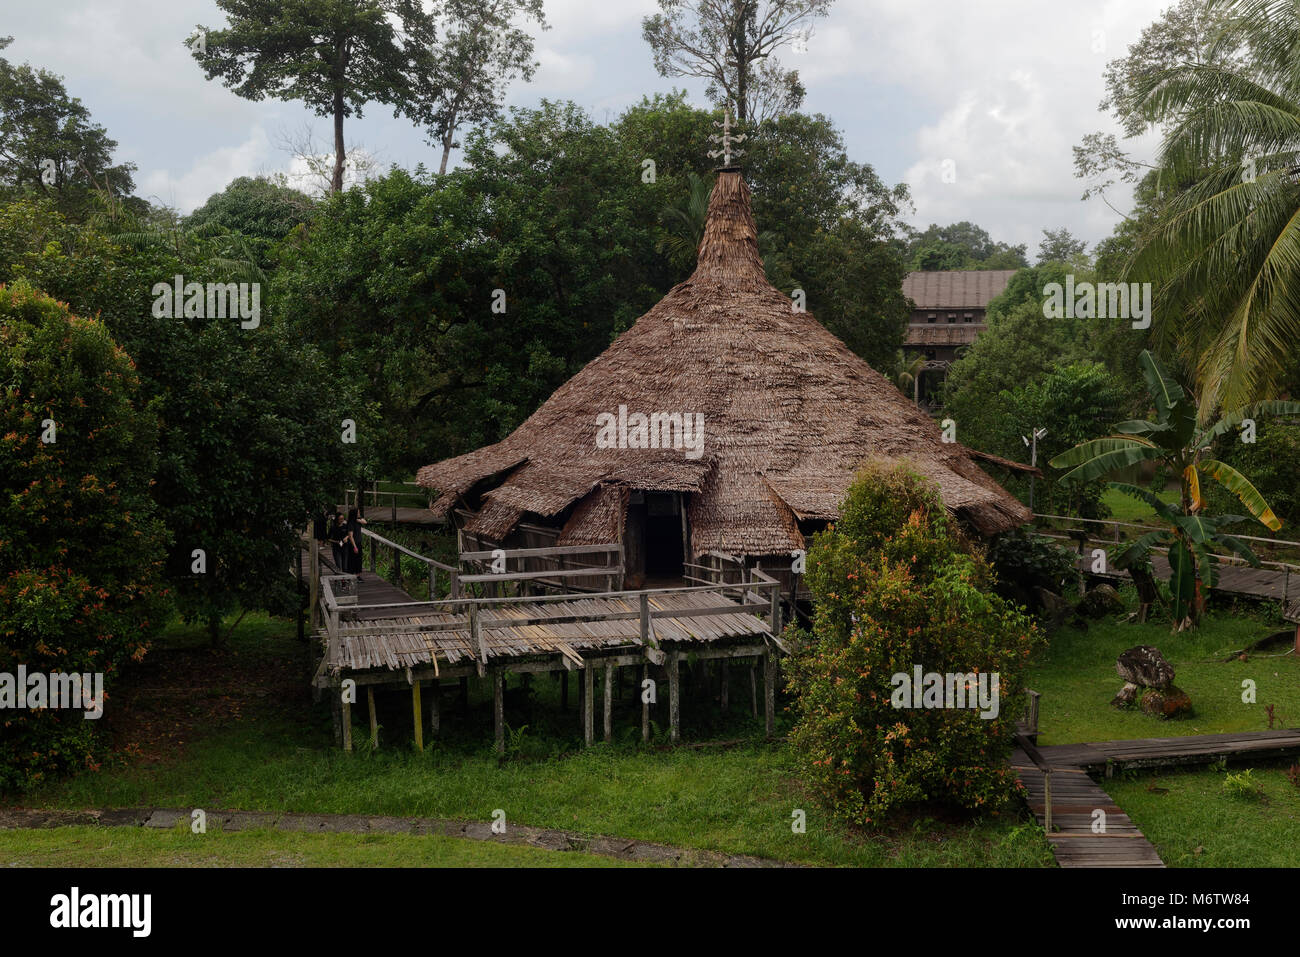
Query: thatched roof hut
point(789, 414)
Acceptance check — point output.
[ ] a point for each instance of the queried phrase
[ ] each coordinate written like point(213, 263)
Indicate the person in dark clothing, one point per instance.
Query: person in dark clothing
point(338, 538)
point(352, 545)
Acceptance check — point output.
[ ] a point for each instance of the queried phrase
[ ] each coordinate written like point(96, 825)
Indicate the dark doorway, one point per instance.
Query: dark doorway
point(663, 535)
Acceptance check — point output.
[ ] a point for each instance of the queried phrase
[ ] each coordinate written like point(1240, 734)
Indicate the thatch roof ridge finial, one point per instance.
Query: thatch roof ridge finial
point(729, 249)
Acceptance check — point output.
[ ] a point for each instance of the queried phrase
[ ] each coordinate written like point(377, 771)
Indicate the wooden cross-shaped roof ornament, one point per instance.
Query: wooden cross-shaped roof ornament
point(726, 139)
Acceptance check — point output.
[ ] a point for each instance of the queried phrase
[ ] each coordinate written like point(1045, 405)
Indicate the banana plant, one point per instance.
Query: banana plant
point(1178, 440)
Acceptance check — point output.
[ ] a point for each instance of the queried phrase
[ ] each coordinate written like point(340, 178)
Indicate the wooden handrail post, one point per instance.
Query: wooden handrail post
point(1047, 801)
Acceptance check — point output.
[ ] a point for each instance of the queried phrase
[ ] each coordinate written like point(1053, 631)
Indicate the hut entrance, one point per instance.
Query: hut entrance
point(653, 543)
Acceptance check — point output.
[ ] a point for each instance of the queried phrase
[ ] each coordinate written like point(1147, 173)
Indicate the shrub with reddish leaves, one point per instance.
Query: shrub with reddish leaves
point(80, 547)
point(895, 585)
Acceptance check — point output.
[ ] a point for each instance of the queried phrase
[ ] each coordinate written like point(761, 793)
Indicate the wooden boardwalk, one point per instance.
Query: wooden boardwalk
point(1081, 837)
point(1236, 579)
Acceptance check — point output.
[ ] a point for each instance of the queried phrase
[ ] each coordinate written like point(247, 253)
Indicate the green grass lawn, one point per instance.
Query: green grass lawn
point(1126, 508)
point(1076, 677)
point(145, 847)
point(1193, 822)
point(274, 752)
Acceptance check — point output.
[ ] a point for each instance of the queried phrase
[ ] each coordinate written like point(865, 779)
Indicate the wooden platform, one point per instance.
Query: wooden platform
point(398, 638)
point(1076, 797)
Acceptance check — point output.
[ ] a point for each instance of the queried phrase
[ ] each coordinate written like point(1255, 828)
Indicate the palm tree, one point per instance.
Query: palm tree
point(683, 225)
point(1224, 255)
point(909, 374)
point(1178, 441)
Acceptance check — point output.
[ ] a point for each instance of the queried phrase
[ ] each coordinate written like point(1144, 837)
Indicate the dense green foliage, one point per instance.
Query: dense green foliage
point(250, 423)
point(896, 586)
point(81, 545)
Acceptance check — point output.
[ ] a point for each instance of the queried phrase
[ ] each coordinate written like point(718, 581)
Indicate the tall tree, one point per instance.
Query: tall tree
point(481, 51)
point(1225, 251)
point(49, 143)
point(730, 44)
point(1060, 246)
point(334, 55)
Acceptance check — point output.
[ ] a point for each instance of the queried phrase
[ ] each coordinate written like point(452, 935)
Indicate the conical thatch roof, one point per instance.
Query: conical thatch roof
point(790, 413)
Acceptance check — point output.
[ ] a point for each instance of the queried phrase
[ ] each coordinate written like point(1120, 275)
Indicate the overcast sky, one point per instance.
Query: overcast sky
point(1002, 88)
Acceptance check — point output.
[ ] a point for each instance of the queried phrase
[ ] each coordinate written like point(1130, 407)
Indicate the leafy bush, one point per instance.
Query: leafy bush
point(81, 550)
point(894, 586)
point(1024, 561)
point(1243, 785)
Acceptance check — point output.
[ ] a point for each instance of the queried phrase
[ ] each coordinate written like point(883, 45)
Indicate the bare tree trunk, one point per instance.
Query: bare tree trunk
point(340, 154)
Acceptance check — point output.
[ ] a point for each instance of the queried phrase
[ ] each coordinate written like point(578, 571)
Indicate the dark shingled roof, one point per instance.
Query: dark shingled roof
point(960, 289)
point(790, 415)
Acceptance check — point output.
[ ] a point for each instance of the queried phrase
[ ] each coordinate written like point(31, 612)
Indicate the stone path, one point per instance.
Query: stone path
point(234, 821)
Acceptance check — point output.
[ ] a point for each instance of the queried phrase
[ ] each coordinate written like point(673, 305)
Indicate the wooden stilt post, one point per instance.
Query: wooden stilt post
point(609, 702)
point(726, 690)
point(499, 710)
point(314, 587)
point(769, 692)
point(588, 703)
point(374, 721)
point(298, 589)
point(336, 713)
point(645, 704)
point(753, 689)
point(564, 690)
point(674, 699)
point(435, 707)
point(419, 715)
point(347, 726)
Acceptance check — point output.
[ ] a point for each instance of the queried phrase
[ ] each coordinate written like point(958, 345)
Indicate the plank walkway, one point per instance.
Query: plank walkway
point(1076, 797)
point(1270, 583)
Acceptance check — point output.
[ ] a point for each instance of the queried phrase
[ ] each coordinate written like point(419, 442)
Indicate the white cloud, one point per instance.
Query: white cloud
point(208, 174)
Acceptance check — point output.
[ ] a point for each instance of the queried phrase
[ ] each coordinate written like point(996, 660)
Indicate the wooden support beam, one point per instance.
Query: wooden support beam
point(476, 636)
point(374, 721)
point(588, 702)
point(645, 704)
point(753, 690)
point(314, 551)
point(419, 715)
point(724, 695)
point(347, 726)
point(336, 715)
point(769, 693)
point(564, 690)
point(609, 703)
point(435, 708)
point(499, 709)
point(674, 699)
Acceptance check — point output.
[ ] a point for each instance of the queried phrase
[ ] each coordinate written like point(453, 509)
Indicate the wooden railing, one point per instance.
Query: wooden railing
point(372, 496)
point(1286, 568)
point(433, 566)
point(556, 560)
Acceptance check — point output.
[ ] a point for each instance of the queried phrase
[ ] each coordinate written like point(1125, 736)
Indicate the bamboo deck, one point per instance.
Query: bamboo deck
point(411, 640)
